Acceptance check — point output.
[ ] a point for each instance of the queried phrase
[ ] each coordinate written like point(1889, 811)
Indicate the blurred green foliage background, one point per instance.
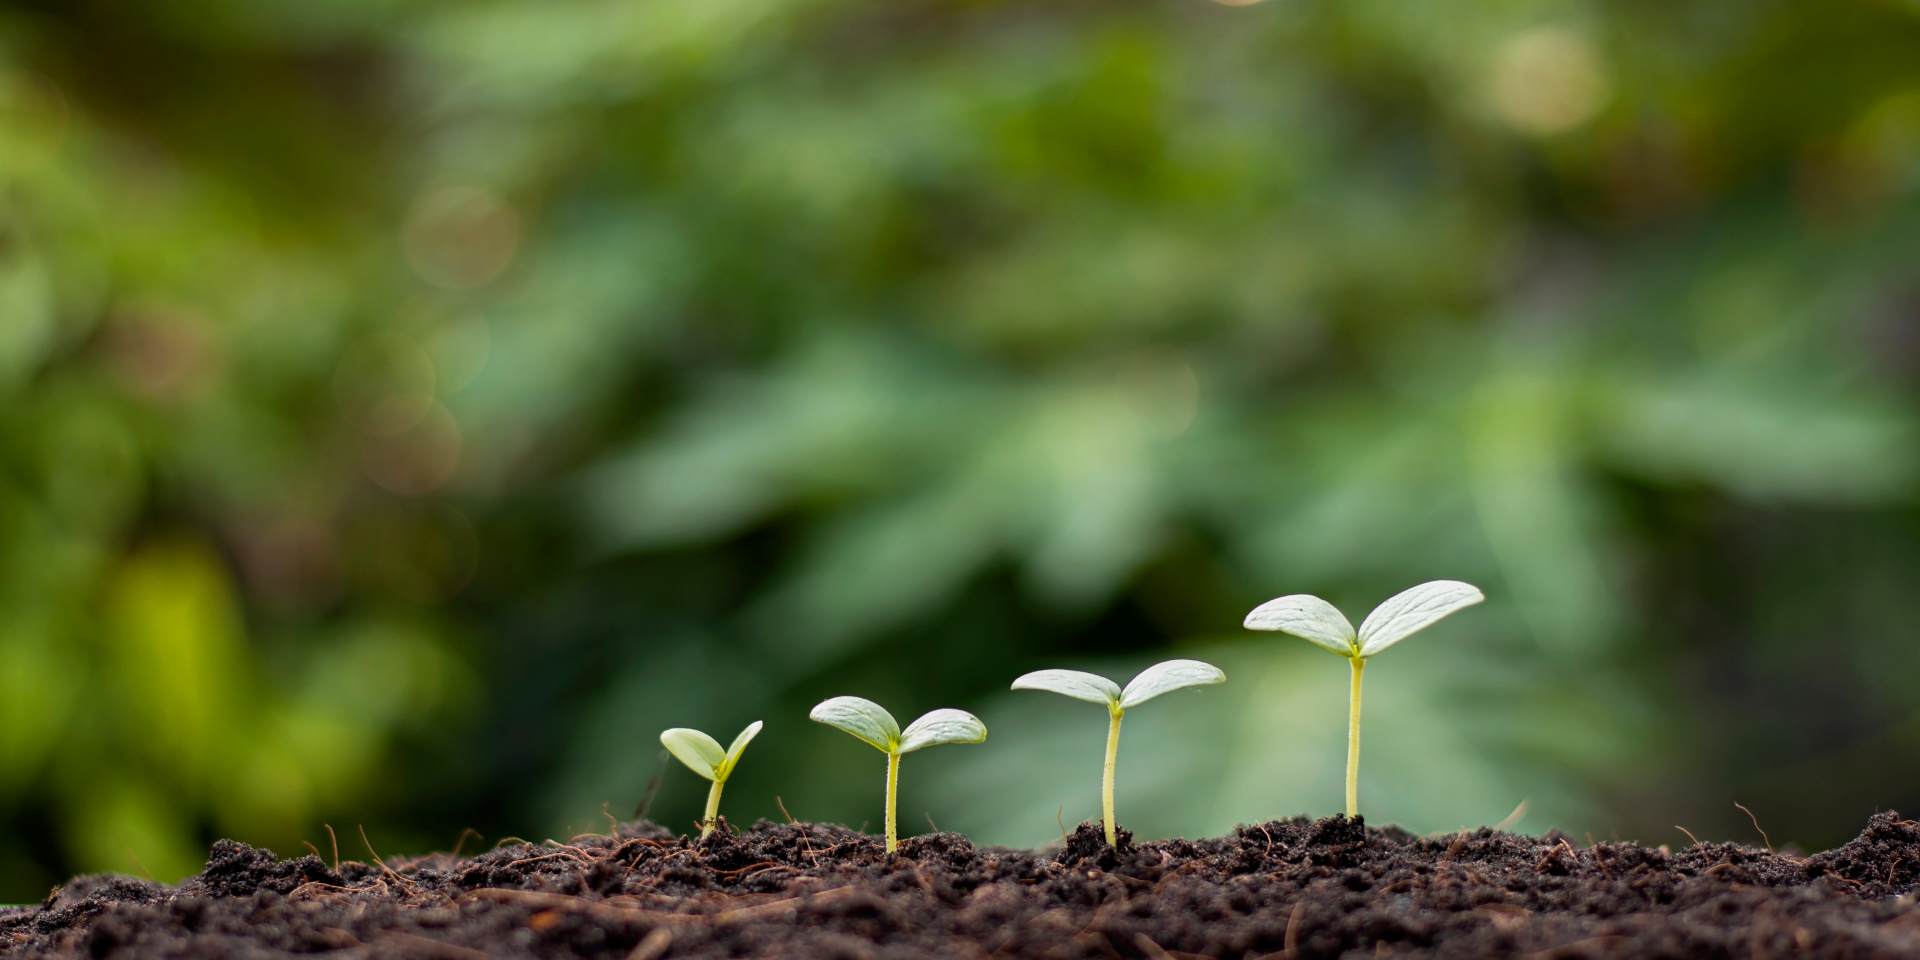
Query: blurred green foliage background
point(409, 408)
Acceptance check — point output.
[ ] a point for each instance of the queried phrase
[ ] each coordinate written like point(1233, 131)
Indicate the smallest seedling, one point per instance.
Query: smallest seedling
point(702, 755)
point(1093, 688)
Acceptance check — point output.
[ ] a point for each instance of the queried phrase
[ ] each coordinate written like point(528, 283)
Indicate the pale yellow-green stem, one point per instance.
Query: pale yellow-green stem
point(1353, 740)
point(893, 781)
point(1106, 785)
point(713, 808)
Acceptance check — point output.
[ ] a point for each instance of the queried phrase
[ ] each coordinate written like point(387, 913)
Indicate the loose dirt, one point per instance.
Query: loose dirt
point(1286, 890)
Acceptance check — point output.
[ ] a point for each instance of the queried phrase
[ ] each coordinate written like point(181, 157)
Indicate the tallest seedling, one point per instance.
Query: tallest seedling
point(1404, 614)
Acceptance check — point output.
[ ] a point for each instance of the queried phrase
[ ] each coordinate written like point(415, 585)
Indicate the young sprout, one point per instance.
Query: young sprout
point(871, 722)
point(1403, 615)
point(702, 755)
point(1093, 688)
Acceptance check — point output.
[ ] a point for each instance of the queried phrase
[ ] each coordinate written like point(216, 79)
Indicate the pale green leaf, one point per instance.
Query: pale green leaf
point(863, 718)
point(1079, 685)
point(942, 726)
point(1168, 677)
point(739, 746)
point(1307, 617)
point(1410, 611)
point(701, 753)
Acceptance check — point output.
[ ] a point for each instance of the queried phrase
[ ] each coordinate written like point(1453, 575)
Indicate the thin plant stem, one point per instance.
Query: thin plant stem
point(1353, 740)
point(713, 808)
point(893, 782)
point(1106, 784)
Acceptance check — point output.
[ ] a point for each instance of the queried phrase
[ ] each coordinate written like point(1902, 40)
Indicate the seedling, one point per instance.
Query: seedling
point(702, 755)
point(1093, 688)
point(872, 723)
point(1404, 614)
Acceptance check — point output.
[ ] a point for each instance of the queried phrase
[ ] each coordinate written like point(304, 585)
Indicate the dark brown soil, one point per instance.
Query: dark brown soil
point(1290, 888)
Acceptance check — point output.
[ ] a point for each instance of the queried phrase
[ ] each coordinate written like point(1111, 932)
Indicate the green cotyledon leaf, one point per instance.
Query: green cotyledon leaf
point(863, 718)
point(1077, 684)
point(739, 746)
point(1167, 677)
point(701, 753)
point(942, 726)
point(1412, 610)
point(1309, 618)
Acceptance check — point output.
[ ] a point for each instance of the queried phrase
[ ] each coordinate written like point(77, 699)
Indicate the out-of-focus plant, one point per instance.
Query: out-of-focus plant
point(670, 360)
point(1401, 616)
point(872, 724)
point(1149, 683)
point(702, 754)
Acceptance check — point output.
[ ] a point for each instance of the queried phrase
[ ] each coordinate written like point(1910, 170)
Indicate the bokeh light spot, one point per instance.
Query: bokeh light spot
point(385, 384)
point(290, 563)
point(161, 354)
point(460, 237)
point(419, 459)
point(1548, 80)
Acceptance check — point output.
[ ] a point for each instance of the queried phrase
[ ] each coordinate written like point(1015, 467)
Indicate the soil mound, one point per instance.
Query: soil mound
point(1290, 889)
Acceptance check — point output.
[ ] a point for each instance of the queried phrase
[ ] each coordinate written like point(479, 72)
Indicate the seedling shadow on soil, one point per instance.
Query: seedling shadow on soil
point(1285, 889)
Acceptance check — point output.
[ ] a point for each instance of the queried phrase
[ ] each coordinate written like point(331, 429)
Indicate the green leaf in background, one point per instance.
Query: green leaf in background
point(404, 403)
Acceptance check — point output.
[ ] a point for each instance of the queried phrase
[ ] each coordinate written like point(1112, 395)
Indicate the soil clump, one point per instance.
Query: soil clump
point(1285, 890)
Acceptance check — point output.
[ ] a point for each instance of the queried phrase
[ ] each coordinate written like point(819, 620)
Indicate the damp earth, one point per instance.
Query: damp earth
point(1286, 890)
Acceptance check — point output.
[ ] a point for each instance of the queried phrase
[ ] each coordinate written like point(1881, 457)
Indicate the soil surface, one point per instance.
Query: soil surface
point(1286, 889)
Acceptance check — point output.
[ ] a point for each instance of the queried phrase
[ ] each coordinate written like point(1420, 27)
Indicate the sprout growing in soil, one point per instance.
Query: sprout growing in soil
point(1403, 615)
point(1093, 688)
point(872, 723)
point(702, 755)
